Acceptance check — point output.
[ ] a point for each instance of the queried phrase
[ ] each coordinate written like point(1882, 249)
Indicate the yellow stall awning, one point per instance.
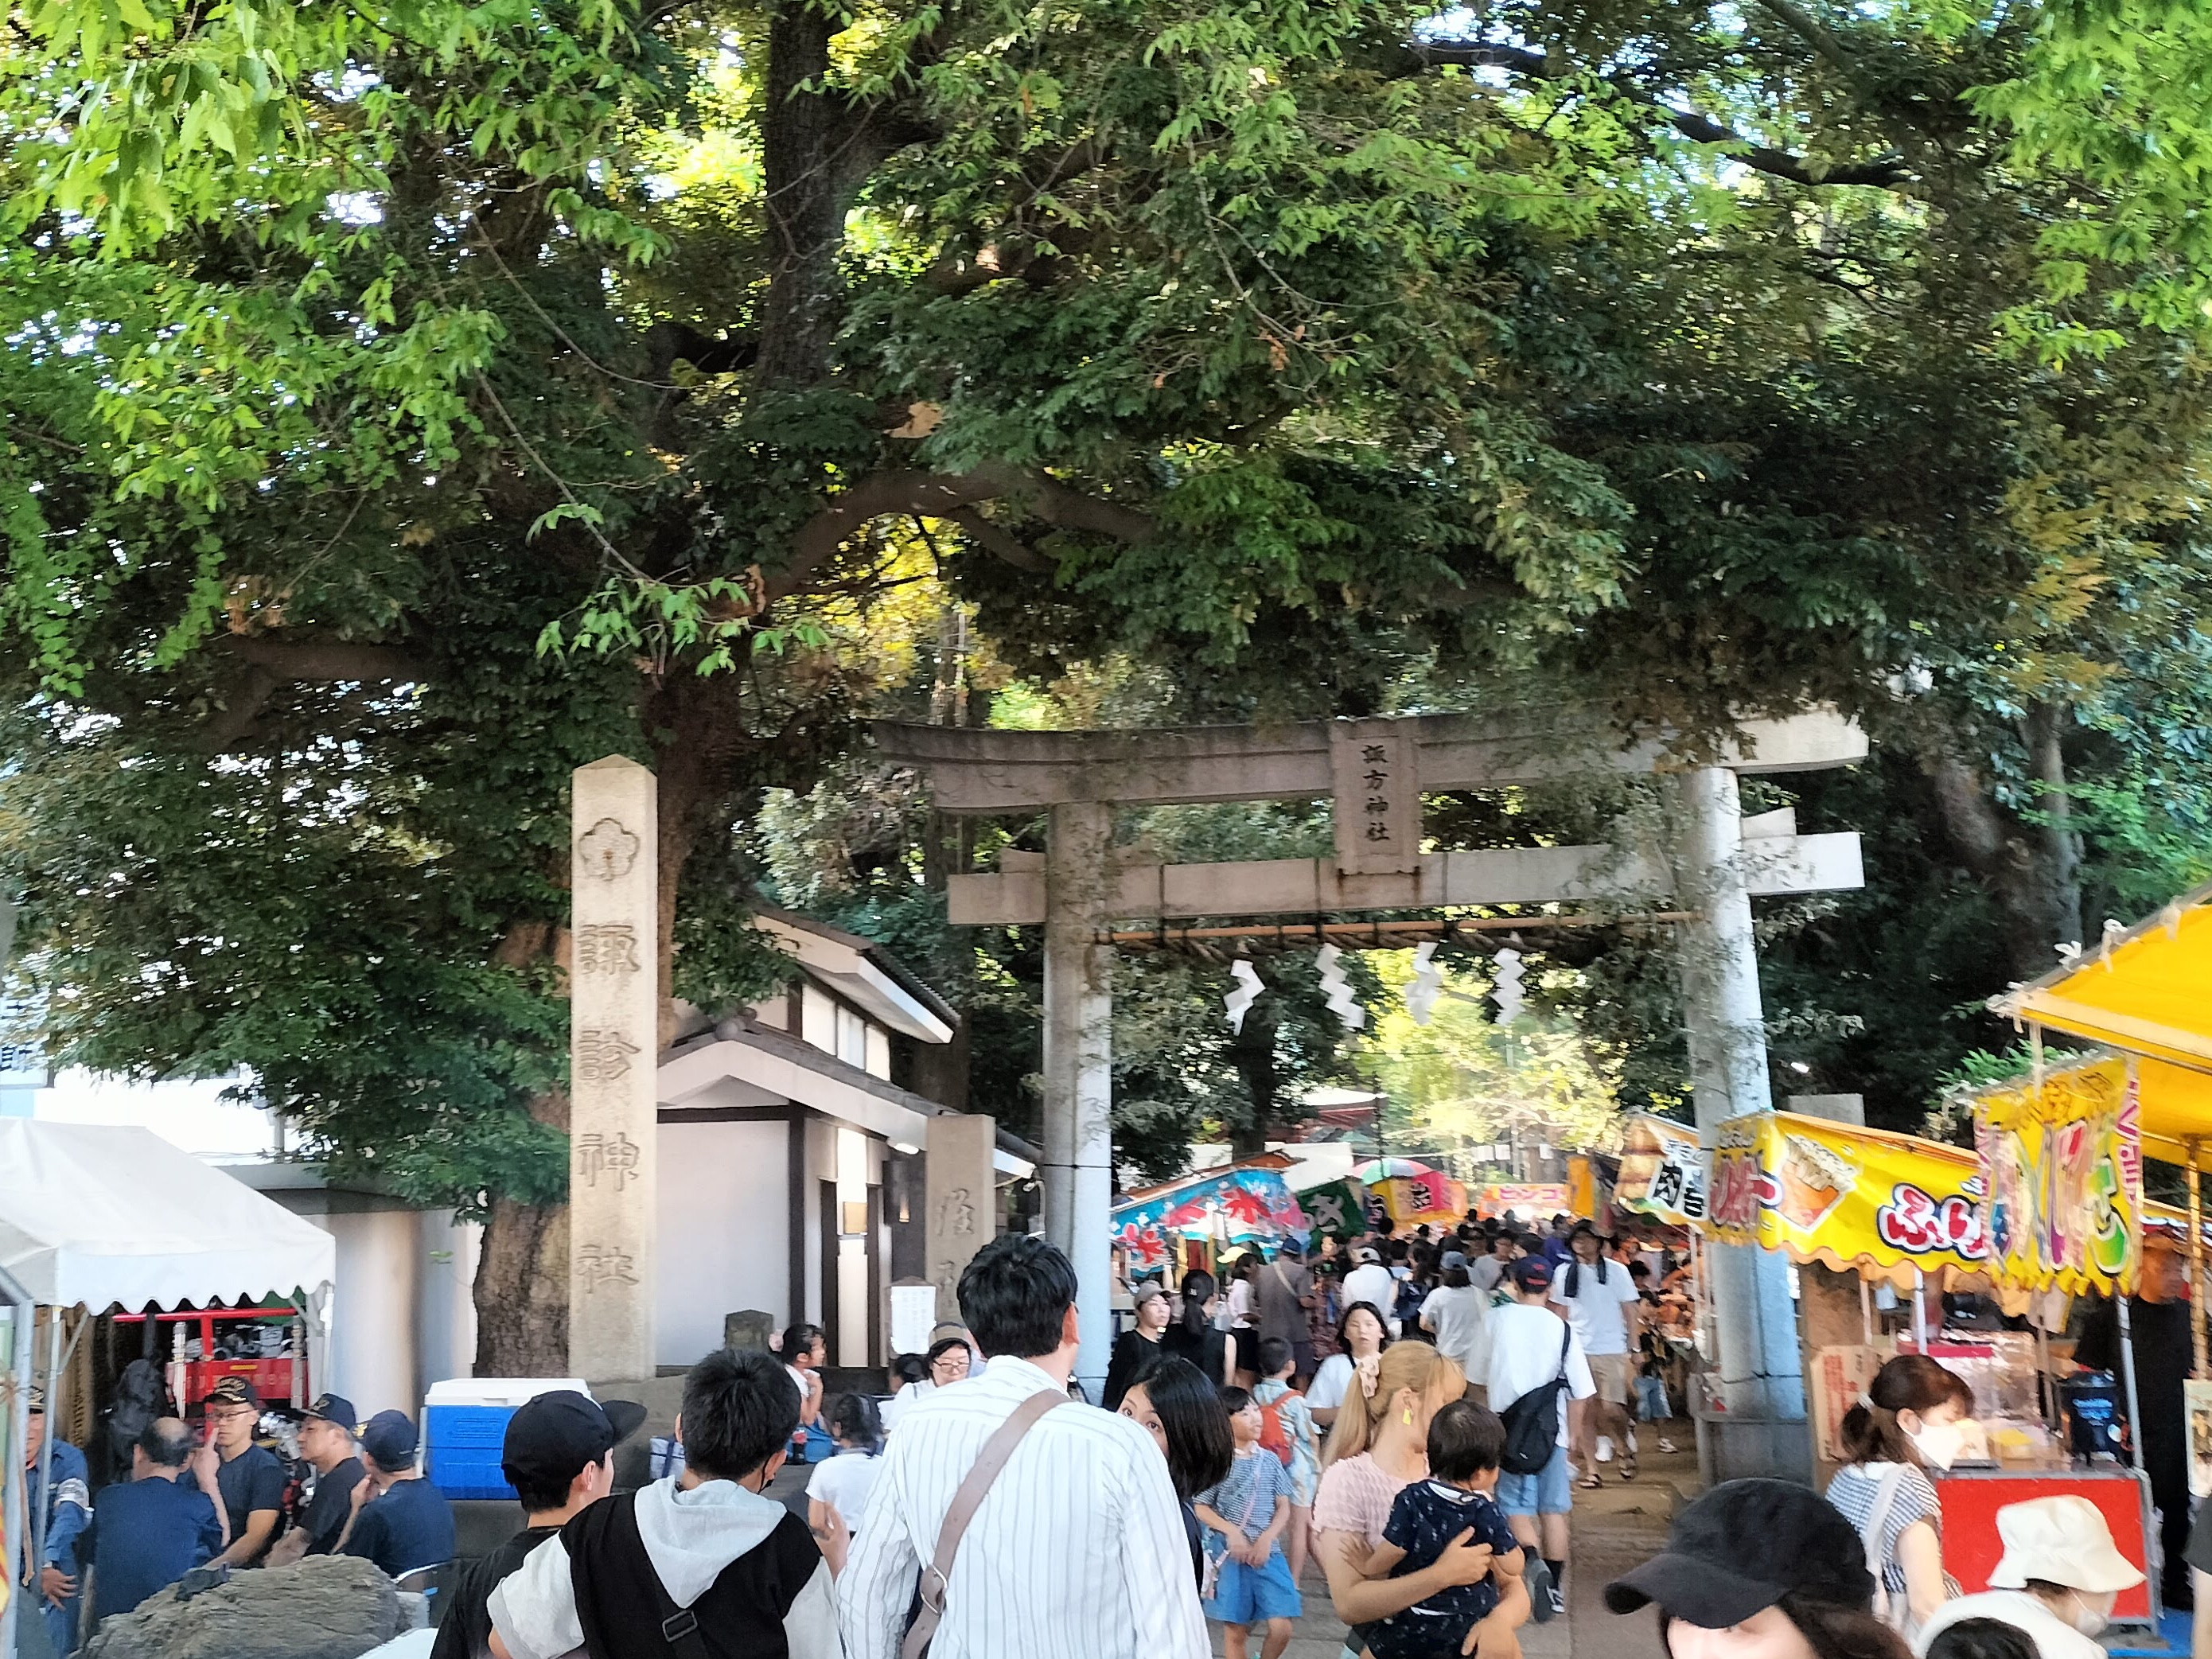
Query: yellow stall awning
point(2147, 989)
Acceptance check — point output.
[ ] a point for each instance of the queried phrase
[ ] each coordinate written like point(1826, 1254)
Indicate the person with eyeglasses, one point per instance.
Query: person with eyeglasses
point(249, 1476)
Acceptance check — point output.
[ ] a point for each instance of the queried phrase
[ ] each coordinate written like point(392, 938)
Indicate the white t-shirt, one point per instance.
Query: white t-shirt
point(1595, 1309)
point(798, 1381)
point(2053, 1636)
point(1240, 1304)
point(1331, 1383)
point(843, 1482)
point(1459, 1316)
point(1371, 1283)
point(1524, 1354)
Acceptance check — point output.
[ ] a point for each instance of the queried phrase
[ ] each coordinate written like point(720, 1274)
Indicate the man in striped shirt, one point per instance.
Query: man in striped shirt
point(1076, 1552)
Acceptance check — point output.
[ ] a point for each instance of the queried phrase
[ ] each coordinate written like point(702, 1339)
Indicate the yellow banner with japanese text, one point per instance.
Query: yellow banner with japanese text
point(2061, 1161)
point(1846, 1197)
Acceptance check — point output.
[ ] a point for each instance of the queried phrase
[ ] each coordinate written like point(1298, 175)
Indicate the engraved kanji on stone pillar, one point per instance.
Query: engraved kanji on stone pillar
point(613, 1040)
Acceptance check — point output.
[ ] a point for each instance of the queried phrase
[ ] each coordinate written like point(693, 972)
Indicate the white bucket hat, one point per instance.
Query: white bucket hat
point(2060, 1540)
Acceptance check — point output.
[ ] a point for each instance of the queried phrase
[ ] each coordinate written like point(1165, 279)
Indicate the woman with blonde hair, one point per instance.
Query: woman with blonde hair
point(1378, 1445)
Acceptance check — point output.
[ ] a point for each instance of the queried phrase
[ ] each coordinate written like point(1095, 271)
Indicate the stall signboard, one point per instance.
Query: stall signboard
point(1846, 1197)
point(1662, 1171)
point(1412, 1200)
point(1337, 1207)
point(2061, 1159)
point(1529, 1200)
point(1241, 1204)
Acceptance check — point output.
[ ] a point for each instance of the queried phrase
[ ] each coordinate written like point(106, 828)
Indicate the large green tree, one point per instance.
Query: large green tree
point(408, 400)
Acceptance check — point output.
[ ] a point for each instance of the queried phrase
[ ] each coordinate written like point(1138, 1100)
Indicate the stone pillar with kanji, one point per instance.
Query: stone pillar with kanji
point(614, 1018)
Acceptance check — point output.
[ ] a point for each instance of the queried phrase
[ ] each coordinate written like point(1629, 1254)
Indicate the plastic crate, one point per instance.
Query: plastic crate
point(464, 1426)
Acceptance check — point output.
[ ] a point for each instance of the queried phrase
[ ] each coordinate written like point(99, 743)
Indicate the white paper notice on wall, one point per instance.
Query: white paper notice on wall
point(913, 1315)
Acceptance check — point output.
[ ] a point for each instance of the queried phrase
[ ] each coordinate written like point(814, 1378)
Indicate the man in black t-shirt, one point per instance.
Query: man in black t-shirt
point(2158, 1336)
point(326, 1442)
point(407, 1524)
point(559, 1456)
point(249, 1477)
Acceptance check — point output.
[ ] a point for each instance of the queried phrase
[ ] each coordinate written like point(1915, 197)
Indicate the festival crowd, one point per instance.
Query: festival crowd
point(1421, 1450)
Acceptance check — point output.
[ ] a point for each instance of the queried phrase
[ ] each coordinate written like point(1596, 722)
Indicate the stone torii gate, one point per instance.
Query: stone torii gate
point(1376, 772)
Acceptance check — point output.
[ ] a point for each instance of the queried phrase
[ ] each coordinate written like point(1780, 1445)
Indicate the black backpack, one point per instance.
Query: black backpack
point(1532, 1422)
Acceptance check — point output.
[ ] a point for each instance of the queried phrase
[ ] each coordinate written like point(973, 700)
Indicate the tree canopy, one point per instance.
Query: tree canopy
point(410, 400)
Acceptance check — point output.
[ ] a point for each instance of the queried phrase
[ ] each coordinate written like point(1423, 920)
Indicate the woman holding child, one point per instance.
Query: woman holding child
point(1378, 1447)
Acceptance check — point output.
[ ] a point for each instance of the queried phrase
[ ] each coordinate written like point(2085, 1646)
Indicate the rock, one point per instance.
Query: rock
point(326, 1607)
point(749, 1327)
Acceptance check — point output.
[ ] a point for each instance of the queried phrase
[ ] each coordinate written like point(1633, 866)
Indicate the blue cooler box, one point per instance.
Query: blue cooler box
point(465, 1425)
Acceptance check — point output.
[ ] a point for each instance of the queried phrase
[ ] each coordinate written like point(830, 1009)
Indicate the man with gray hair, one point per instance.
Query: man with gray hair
point(153, 1530)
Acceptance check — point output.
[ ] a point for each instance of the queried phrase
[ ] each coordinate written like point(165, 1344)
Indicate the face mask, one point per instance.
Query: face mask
point(2085, 1618)
point(1939, 1445)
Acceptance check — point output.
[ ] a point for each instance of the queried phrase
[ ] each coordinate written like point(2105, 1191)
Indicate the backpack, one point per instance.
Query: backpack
point(1274, 1433)
point(1532, 1422)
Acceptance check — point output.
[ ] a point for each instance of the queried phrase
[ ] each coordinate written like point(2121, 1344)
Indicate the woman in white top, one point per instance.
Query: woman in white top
point(1243, 1331)
point(1905, 1424)
point(837, 1491)
point(948, 1363)
point(1359, 1336)
point(1457, 1314)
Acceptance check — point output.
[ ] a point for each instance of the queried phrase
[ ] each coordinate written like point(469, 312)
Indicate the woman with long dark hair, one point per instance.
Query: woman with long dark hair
point(1360, 1334)
point(1760, 1569)
point(1179, 1407)
point(1191, 1334)
point(1905, 1424)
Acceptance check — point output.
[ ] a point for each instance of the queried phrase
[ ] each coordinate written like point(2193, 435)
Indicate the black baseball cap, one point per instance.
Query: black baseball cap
point(334, 1408)
point(551, 1435)
point(232, 1391)
point(1743, 1546)
point(389, 1437)
point(1531, 1273)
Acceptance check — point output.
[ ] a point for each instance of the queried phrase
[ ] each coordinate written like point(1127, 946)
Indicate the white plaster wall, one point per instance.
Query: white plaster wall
point(373, 1307)
point(725, 1232)
point(446, 1314)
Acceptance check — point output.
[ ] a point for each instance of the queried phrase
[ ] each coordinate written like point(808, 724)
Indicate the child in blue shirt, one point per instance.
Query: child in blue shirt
point(1464, 1444)
point(1247, 1514)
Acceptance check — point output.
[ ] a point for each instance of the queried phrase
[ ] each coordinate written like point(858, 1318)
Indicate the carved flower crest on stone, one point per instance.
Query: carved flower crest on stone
point(608, 850)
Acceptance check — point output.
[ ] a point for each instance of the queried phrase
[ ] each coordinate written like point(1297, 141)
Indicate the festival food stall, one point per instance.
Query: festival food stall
point(1193, 1222)
point(1911, 1214)
point(94, 1217)
point(2060, 1157)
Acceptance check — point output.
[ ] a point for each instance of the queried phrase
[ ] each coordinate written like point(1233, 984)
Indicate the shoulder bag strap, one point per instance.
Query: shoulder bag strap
point(1566, 1341)
point(1877, 1553)
point(937, 1576)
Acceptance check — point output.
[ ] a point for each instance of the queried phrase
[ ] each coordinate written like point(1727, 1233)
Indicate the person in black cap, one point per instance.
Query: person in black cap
point(327, 1442)
point(406, 1525)
point(1760, 1569)
point(559, 1456)
point(250, 1477)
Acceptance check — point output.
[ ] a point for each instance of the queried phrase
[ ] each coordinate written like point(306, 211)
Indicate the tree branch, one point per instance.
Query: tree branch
point(322, 660)
point(949, 495)
point(1884, 172)
point(993, 540)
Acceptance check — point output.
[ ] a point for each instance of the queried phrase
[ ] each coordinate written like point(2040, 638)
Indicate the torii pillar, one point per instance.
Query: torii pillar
point(1077, 1167)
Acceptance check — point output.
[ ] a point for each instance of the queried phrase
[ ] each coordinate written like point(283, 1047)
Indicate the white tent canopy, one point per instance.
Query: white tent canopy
point(94, 1217)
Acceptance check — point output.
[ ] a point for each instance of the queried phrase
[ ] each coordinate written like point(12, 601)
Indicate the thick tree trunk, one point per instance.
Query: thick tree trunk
point(1252, 1051)
point(522, 1290)
point(806, 195)
point(2038, 898)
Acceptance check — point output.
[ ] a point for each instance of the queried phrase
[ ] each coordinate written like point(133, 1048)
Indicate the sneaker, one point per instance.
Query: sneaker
point(1544, 1602)
point(1605, 1448)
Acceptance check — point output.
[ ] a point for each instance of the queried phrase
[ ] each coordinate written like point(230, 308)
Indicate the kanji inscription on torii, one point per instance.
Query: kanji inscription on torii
point(1377, 795)
point(614, 1019)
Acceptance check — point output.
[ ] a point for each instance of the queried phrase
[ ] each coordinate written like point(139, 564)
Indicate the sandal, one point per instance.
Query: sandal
point(1628, 1468)
point(1590, 1483)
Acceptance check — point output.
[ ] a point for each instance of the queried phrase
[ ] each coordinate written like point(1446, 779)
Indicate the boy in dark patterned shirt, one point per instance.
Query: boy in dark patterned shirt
point(1464, 1444)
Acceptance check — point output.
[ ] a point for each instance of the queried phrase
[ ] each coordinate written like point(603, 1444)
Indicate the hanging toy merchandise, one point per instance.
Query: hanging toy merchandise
point(1342, 1002)
point(1505, 986)
point(1239, 1001)
point(1426, 985)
